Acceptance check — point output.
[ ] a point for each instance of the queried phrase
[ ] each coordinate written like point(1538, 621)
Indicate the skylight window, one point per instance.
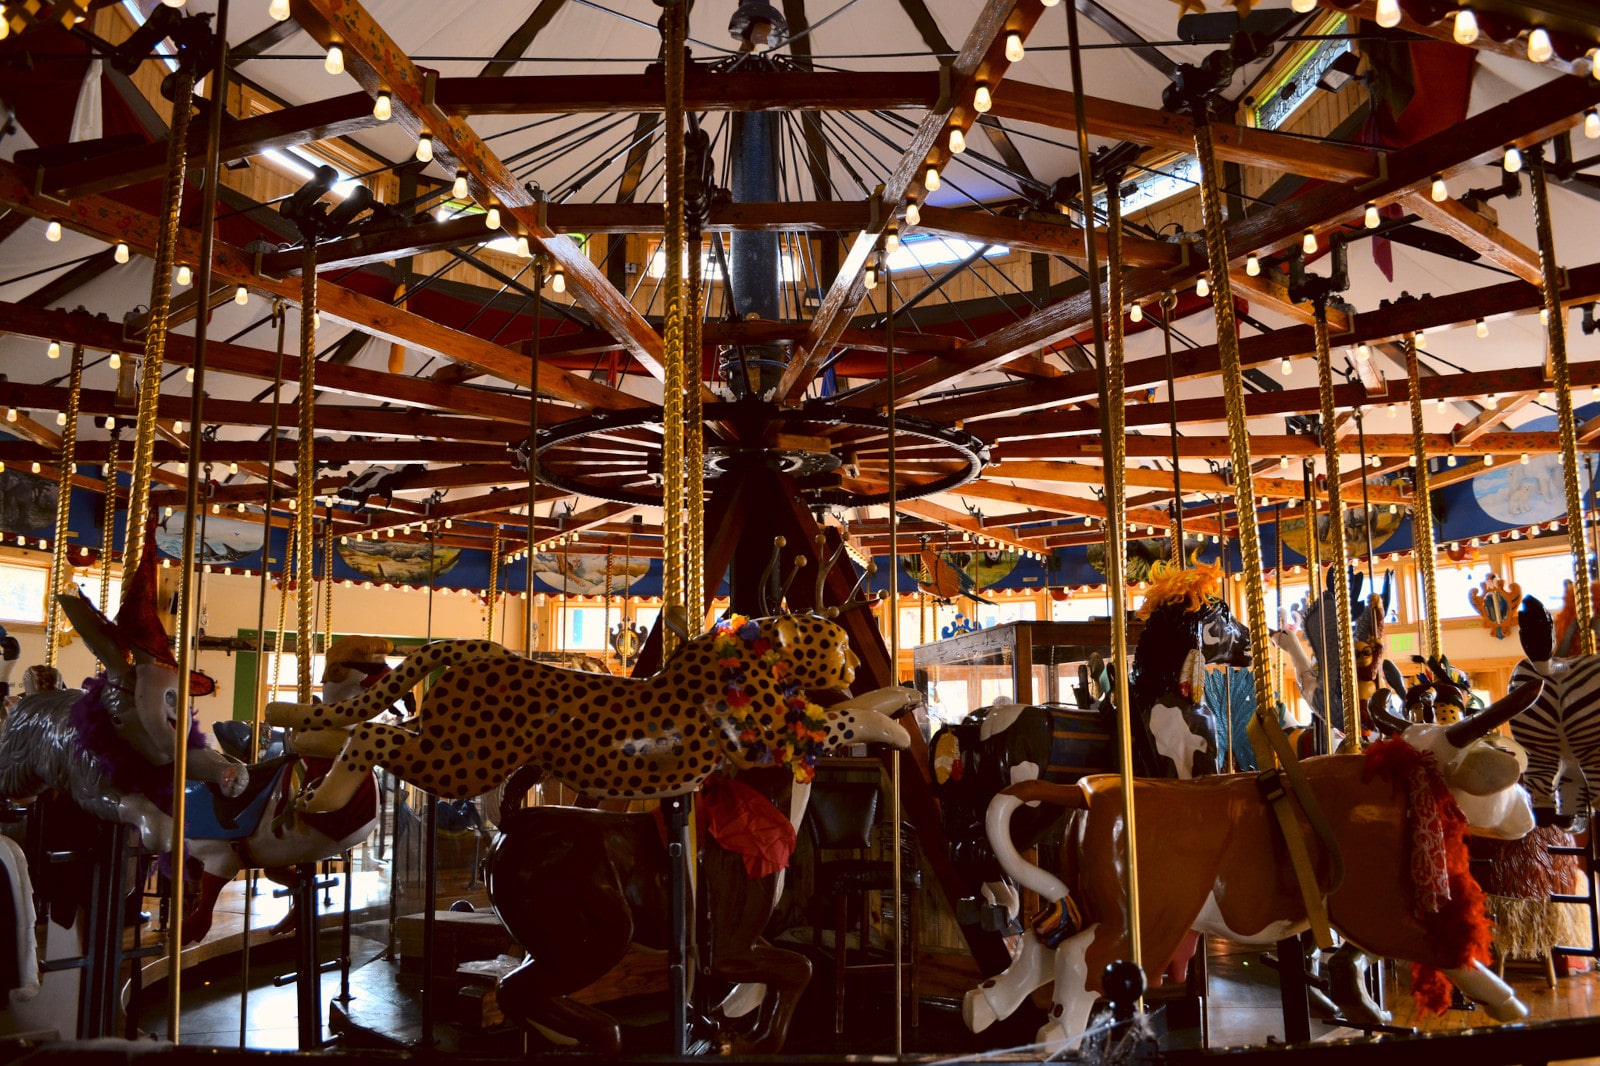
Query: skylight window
point(928, 250)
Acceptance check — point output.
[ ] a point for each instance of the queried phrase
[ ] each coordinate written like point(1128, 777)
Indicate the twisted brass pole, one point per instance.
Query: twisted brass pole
point(155, 342)
point(1422, 511)
point(694, 459)
point(108, 519)
point(673, 493)
point(494, 583)
point(1233, 397)
point(58, 549)
point(305, 473)
point(327, 577)
point(1339, 559)
point(1561, 380)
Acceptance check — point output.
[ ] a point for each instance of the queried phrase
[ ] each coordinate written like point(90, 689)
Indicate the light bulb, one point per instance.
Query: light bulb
point(558, 281)
point(1252, 265)
point(233, 468)
point(522, 247)
point(382, 107)
point(35, 466)
point(1303, 7)
point(241, 295)
point(54, 351)
point(1388, 14)
point(1283, 462)
point(1594, 393)
point(1286, 367)
point(1539, 47)
point(1544, 316)
point(1591, 124)
point(425, 148)
point(891, 238)
point(1372, 218)
point(121, 252)
point(1374, 460)
point(1513, 159)
point(1420, 339)
point(1308, 243)
point(185, 276)
point(316, 320)
point(491, 218)
point(1442, 405)
point(1394, 509)
point(1136, 313)
point(458, 188)
point(1483, 328)
point(334, 64)
point(1015, 51)
point(982, 100)
point(1363, 352)
point(958, 141)
point(1202, 287)
point(177, 427)
point(11, 414)
point(174, 3)
point(1391, 411)
point(110, 423)
point(1524, 459)
point(61, 418)
point(870, 278)
point(1466, 27)
point(1450, 460)
point(930, 180)
point(913, 213)
point(1440, 192)
point(188, 375)
point(1544, 396)
point(1488, 460)
point(278, 9)
point(52, 232)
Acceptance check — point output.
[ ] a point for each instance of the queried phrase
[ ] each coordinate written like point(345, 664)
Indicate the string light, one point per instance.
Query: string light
point(425, 148)
point(241, 296)
point(1286, 367)
point(1420, 339)
point(1308, 243)
point(278, 9)
point(1252, 265)
point(382, 107)
point(1440, 192)
point(1539, 47)
point(1591, 124)
point(334, 64)
point(1524, 459)
point(1391, 411)
point(522, 247)
point(233, 468)
point(558, 280)
point(458, 188)
point(913, 213)
point(982, 99)
point(491, 218)
point(11, 414)
point(61, 418)
point(1202, 287)
point(54, 351)
point(185, 276)
point(120, 253)
point(1015, 51)
point(870, 277)
point(1372, 219)
point(188, 375)
point(1513, 159)
point(958, 141)
point(177, 427)
point(1136, 313)
point(891, 238)
point(930, 180)
point(36, 466)
point(52, 232)
point(1283, 462)
point(1483, 328)
point(1466, 27)
point(1450, 460)
point(1387, 14)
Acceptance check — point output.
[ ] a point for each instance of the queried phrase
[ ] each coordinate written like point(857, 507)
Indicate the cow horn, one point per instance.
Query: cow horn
point(1503, 710)
point(1378, 711)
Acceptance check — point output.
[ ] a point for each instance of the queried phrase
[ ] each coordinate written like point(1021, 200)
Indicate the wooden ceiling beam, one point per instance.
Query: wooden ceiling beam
point(1082, 506)
point(377, 63)
point(1516, 48)
point(1493, 416)
point(256, 451)
point(1478, 232)
point(982, 57)
point(1036, 235)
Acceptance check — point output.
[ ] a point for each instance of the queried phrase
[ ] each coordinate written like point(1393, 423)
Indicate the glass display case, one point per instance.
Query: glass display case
point(1024, 662)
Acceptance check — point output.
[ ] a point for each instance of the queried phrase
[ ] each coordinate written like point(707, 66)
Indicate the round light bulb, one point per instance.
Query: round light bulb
point(1202, 287)
point(1308, 243)
point(1286, 367)
point(1524, 459)
point(1483, 328)
point(1488, 460)
point(1440, 191)
point(1466, 26)
point(1372, 219)
point(1303, 7)
point(52, 232)
point(458, 188)
point(120, 254)
point(241, 295)
point(425, 148)
point(1387, 14)
point(1591, 124)
point(334, 64)
point(382, 107)
point(1513, 159)
point(185, 276)
point(982, 99)
point(913, 213)
point(278, 9)
point(1420, 339)
point(1136, 313)
point(558, 281)
point(1015, 51)
point(110, 423)
point(61, 418)
point(1252, 265)
point(1539, 48)
point(958, 141)
point(491, 218)
point(930, 180)
point(54, 351)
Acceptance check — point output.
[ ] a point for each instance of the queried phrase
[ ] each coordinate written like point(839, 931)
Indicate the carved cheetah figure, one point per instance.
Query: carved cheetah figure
point(492, 710)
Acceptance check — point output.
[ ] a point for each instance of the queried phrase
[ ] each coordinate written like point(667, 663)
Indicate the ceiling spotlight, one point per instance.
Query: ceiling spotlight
point(382, 107)
point(120, 253)
point(1466, 26)
point(1440, 192)
point(1539, 47)
point(982, 100)
point(1015, 51)
point(425, 148)
point(1372, 218)
point(52, 232)
point(334, 64)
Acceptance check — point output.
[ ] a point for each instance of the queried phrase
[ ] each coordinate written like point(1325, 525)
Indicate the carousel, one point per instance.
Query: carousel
point(572, 527)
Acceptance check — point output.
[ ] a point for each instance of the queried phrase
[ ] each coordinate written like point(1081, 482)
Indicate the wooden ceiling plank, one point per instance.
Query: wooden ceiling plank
point(1484, 236)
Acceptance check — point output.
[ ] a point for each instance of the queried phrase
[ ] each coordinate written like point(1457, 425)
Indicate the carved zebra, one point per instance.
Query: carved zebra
point(1561, 731)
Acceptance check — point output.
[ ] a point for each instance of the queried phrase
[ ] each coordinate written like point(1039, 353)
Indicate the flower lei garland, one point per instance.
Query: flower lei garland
point(738, 645)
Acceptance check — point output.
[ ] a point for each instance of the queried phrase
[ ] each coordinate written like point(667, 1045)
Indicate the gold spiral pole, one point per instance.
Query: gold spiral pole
point(108, 519)
point(1339, 557)
point(494, 583)
point(672, 413)
point(694, 443)
point(1561, 379)
point(305, 474)
point(327, 577)
point(58, 550)
point(155, 343)
point(1422, 511)
point(1233, 397)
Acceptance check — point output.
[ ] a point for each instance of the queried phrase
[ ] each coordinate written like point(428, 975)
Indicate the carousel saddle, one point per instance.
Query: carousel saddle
point(209, 815)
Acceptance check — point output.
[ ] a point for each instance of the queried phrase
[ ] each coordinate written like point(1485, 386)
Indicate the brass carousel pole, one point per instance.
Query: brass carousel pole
point(1561, 381)
point(1312, 507)
point(1109, 357)
point(694, 459)
point(58, 548)
point(673, 494)
point(305, 475)
point(108, 518)
point(1422, 512)
point(1169, 304)
point(1341, 569)
point(494, 583)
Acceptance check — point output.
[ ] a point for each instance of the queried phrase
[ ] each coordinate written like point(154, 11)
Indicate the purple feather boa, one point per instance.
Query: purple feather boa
point(124, 769)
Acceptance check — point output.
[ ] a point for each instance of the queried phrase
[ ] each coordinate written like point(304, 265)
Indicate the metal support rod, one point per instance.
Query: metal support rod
point(430, 841)
point(1366, 498)
point(675, 810)
point(1112, 398)
point(1169, 304)
point(58, 548)
point(1561, 380)
point(1227, 675)
point(1336, 539)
